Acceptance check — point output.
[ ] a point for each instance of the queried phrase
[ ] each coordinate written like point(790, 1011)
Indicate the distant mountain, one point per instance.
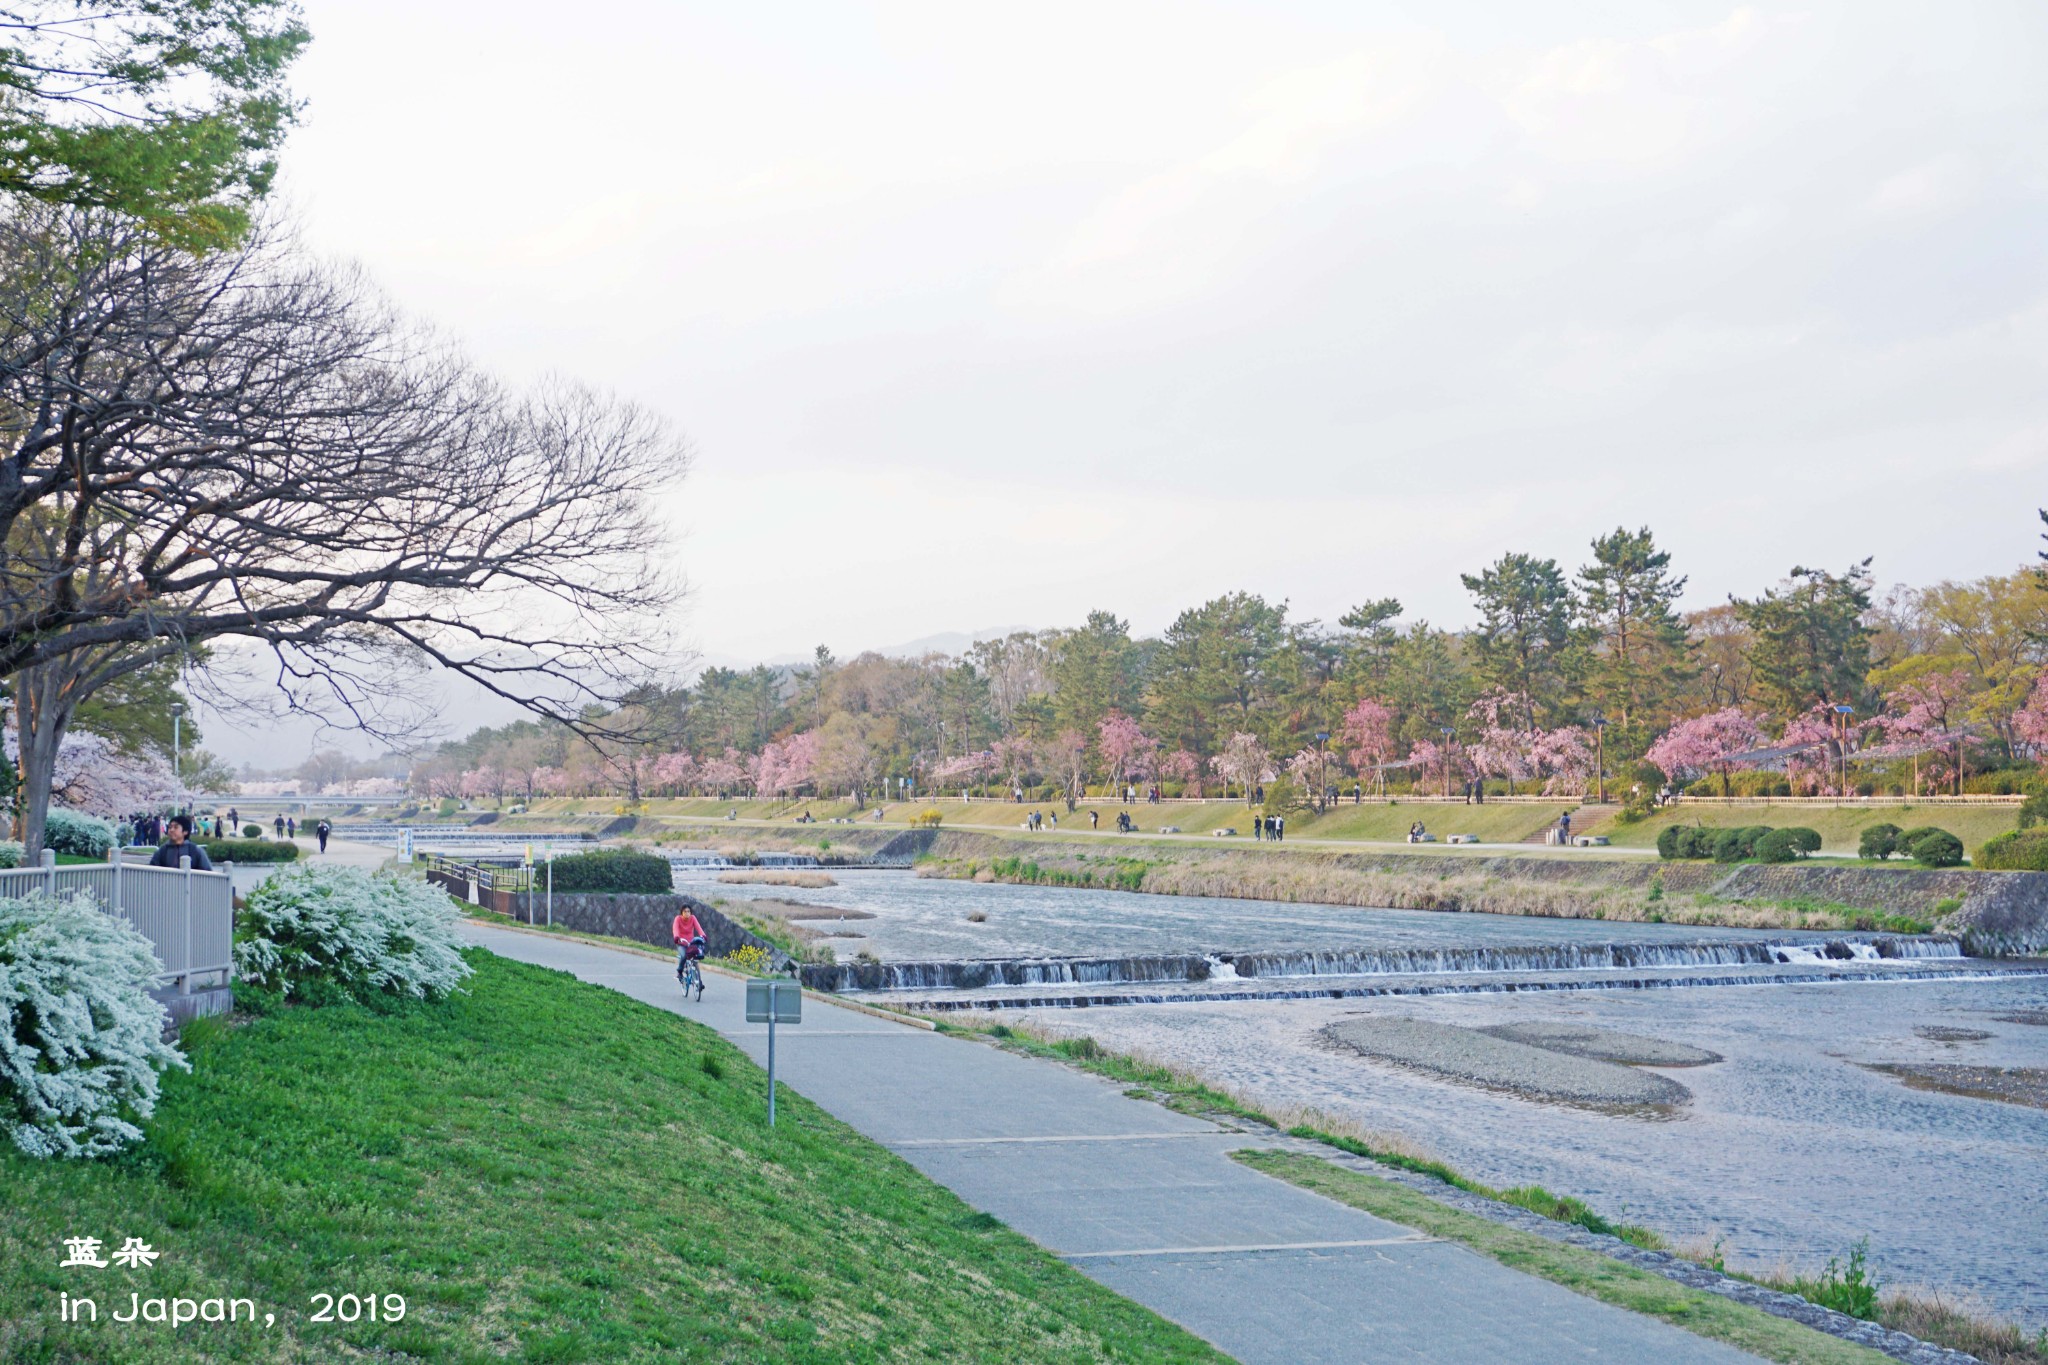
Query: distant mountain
point(947, 642)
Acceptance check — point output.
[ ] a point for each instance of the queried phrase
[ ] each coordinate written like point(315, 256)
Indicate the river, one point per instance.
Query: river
point(1790, 1149)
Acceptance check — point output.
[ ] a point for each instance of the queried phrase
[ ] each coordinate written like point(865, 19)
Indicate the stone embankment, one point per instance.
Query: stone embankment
point(643, 919)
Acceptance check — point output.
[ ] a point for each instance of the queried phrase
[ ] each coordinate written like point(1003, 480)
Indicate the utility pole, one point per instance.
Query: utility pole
point(1322, 786)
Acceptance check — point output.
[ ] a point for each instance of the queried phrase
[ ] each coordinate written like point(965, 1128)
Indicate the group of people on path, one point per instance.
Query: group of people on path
point(1037, 820)
point(1273, 827)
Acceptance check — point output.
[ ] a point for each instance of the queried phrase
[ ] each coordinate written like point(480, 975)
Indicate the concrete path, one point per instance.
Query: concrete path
point(248, 876)
point(1148, 1201)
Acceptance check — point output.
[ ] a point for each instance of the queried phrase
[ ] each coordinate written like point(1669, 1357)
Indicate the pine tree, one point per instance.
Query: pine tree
point(1524, 633)
point(1637, 653)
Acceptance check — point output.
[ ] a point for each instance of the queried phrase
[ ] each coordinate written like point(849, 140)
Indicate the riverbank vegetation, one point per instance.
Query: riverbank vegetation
point(1456, 886)
point(544, 1170)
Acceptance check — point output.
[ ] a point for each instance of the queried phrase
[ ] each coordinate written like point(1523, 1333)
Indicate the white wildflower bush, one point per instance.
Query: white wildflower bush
point(86, 836)
point(315, 930)
point(10, 852)
point(81, 1038)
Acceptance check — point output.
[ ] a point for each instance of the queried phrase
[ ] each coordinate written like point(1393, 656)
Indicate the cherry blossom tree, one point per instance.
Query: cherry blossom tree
point(1565, 758)
point(1705, 744)
point(94, 776)
point(1124, 746)
point(673, 771)
point(1439, 763)
point(964, 769)
point(1182, 766)
point(1367, 733)
point(1016, 758)
point(1244, 760)
point(721, 776)
point(2030, 723)
point(1070, 760)
point(1928, 713)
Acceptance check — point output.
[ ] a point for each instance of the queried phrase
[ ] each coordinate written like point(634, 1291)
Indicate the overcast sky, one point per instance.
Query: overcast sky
point(984, 315)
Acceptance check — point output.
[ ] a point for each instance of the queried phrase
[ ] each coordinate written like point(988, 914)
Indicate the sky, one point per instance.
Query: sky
point(981, 315)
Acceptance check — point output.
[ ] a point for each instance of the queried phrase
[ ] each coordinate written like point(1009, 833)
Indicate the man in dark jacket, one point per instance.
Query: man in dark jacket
point(181, 850)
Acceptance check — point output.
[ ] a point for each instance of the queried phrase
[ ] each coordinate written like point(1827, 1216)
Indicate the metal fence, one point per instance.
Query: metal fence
point(188, 917)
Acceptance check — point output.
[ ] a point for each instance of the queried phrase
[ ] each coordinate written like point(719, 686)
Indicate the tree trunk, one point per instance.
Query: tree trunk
point(42, 714)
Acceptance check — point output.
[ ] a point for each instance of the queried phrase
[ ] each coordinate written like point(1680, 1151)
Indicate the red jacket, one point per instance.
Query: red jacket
point(685, 928)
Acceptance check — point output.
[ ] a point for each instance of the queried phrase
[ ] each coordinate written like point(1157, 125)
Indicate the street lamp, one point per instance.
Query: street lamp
point(1843, 710)
point(1448, 731)
point(1600, 753)
point(1322, 787)
point(177, 744)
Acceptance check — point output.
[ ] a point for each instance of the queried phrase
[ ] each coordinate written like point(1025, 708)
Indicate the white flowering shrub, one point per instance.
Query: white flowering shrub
point(349, 930)
point(10, 852)
point(81, 1039)
point(67, 831)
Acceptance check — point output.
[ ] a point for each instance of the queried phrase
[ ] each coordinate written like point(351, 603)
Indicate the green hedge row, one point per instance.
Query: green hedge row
point(1760, 842)
point(616, 870)
point(2020, 850)
point(250, 850)
point(1924, 844)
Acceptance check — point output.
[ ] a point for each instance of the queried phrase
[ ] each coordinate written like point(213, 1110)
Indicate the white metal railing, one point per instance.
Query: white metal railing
point(188, 917)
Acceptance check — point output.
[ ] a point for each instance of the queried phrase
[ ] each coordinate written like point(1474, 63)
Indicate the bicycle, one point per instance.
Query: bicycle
point(688, 976)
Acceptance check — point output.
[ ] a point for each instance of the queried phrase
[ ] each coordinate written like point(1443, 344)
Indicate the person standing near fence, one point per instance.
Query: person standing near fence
point(181, 850)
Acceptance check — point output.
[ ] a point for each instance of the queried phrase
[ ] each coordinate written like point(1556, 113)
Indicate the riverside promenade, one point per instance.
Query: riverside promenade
point(1145, 1200)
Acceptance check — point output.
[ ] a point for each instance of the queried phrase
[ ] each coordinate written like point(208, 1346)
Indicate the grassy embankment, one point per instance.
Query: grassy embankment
point(1307, 877)
point(546, 1171)
point(1494, 823)
point(1931, 1317)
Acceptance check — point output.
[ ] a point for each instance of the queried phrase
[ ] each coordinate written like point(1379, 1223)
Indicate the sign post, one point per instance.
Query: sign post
point(772, 1003)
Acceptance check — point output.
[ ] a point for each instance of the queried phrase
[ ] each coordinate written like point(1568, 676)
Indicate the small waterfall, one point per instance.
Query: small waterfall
point(1348, 962)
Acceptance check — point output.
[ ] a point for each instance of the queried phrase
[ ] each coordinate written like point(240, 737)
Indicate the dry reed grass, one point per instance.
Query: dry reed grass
point(809, 881)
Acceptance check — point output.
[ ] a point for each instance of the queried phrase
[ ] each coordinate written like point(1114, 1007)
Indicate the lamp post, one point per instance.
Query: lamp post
point(1600, 754)
point(1448, 731)
point(1322, 786)
point(1842, 712)
point(1714, 693)
point(177, 747)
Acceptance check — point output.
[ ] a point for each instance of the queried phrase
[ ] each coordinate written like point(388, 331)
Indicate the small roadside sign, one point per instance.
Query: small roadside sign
point(772, 1003)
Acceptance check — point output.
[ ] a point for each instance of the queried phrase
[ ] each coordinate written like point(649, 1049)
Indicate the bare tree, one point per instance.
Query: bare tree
point(248, 444)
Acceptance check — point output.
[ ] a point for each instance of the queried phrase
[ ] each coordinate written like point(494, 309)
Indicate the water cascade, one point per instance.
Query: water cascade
point(1238, 967)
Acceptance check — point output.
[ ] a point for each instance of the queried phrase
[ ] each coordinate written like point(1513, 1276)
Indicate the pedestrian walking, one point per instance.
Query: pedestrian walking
point(291, 827)
point(1279, 828)
point(279, 823)
point(323, 829)
point(1564, 828)
point(1094, 819)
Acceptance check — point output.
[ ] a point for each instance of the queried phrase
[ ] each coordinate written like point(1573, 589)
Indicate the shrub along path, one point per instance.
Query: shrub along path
point(1148, 1201)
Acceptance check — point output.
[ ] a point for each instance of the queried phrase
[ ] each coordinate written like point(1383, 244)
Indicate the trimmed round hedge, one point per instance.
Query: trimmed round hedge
point(251, 850)
point(1937, 848)
point(621, 871)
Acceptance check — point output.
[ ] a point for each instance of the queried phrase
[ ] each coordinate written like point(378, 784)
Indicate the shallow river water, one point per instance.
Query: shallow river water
point(1790, 1149)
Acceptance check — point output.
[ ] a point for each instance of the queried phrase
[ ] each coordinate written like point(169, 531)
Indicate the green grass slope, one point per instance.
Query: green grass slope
point(546, 1171)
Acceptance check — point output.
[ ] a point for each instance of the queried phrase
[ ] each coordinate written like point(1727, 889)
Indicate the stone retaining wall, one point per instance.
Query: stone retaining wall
point(644, 919)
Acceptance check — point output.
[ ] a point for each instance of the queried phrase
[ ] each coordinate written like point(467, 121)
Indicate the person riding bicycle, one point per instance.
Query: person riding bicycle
point(688, 935)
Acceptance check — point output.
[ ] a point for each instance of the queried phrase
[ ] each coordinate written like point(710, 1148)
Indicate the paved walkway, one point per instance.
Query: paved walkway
point(1148, 1201)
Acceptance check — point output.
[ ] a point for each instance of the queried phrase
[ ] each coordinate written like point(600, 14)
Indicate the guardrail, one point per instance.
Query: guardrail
point(188, 917)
